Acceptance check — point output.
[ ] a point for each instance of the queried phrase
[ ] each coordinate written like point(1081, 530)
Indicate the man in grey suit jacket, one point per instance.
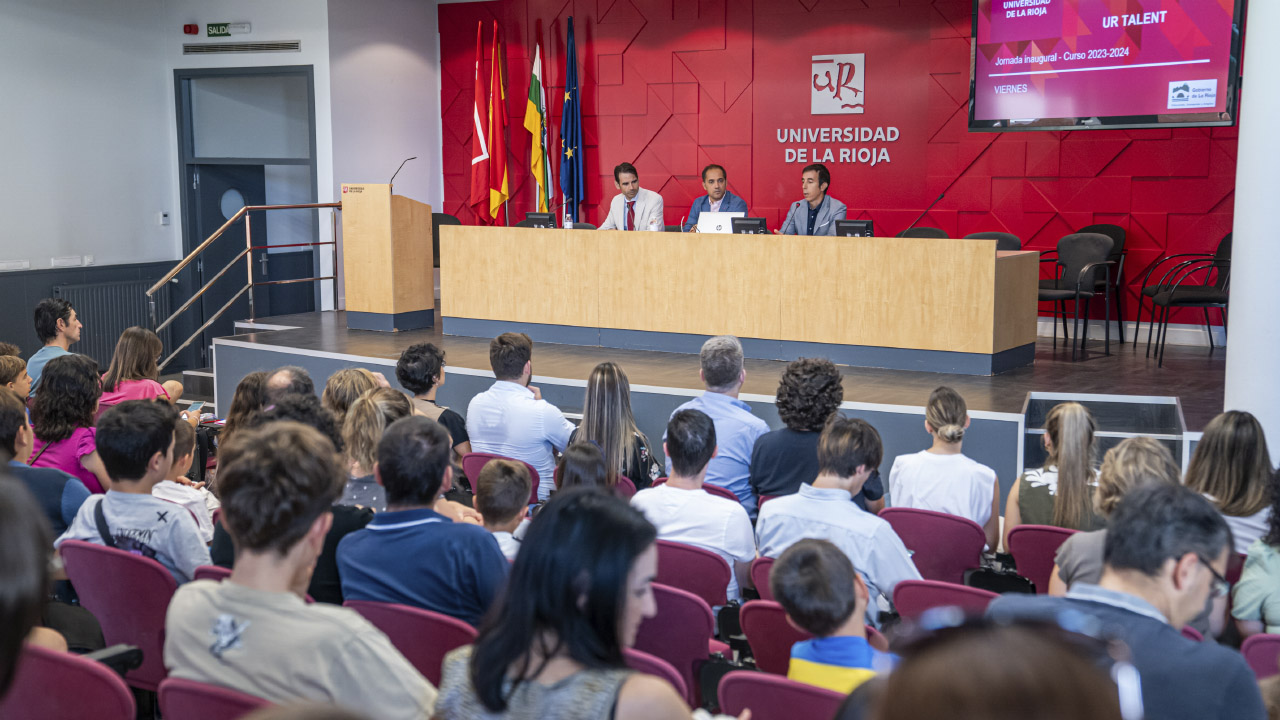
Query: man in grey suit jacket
point(818, 212)
point(634, 208)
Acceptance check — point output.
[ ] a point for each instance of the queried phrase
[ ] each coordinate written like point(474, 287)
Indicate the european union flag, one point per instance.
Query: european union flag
point(571, 169)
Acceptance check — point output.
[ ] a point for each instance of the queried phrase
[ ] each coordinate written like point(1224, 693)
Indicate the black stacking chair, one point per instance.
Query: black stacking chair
point(438, 219)
point(1005, 242)
point(673, 228)
point(1179, 288)
point(582, 226)
point(526, 223)
point(1079, 258)
point(922, 232)
point(1164, 270)
point(1115, 290)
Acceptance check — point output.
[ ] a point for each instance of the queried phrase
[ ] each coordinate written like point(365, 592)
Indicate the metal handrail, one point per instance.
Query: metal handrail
point(247, 252)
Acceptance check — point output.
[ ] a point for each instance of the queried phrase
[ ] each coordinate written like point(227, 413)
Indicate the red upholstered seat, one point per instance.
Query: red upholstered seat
point(943, 546)
point(682, 634)
point(422, 636)
point(770, 697)
point(52, 685)
point(473, 463)
point(190, 700)
point(1033, 548)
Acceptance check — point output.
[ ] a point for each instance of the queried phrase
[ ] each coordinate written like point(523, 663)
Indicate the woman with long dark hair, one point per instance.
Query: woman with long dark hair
point(1231, 467)
point(249, 399)
point(63, 416)
point(134, 374)
point(608, 423)
point(552, 645)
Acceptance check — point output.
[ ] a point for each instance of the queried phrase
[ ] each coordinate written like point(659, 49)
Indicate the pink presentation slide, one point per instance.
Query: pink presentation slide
point(1096, 58)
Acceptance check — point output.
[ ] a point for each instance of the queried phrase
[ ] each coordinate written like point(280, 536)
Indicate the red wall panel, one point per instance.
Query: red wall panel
point(672, 86)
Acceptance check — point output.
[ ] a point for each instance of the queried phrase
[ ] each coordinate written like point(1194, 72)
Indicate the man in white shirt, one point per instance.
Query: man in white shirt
point(685, 513)
point(848, 451)
point(634, 208)
point(511, 419)
point(255, 632)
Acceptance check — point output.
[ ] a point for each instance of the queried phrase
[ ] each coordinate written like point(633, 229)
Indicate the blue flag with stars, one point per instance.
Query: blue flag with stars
point(571, 168)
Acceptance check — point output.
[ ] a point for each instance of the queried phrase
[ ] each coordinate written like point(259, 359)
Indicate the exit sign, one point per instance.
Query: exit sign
point(218, 29)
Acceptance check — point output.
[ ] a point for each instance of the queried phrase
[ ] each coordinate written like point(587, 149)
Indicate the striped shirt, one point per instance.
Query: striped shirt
point(837, 663)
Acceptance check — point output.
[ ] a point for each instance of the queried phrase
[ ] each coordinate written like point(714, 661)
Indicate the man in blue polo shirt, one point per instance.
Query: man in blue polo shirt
point(411, 554)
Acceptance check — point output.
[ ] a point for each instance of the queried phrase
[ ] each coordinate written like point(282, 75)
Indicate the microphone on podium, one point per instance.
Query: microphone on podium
point(397, 172)
point(926, 211)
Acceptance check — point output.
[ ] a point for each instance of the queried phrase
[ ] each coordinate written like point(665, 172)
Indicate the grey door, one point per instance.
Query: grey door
point(219, 191)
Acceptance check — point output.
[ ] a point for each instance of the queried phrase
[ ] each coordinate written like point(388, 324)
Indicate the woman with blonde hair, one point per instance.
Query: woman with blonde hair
point(365, 422)
point(607, 423)
point(942, 478)
point(134, 374)
point(343, 388)
point(1232, 468)
point(1060, 492)
point(1134, 463)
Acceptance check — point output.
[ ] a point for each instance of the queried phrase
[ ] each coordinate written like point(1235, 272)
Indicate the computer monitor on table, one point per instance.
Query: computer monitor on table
point(540, 219)
point(749, 226)
point(854, 228)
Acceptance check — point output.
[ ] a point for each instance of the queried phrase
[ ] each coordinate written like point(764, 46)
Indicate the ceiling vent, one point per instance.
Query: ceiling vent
point(274, 46)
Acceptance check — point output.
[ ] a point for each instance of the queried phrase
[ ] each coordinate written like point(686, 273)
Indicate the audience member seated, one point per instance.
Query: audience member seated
point(133, 373)
point(420, 370)
point(304, 711)
point(1165, 555)
point(1256, 597)
point(553, 645)
point(342, 390)
point(63, 415)
point(59, 495)
point(9, 349)
point(367, 419)
point(848, 450)
point(135, 441)
point(13, 375)
point(411, 554)
point(58, 329)
point(783, 459)
point(1134, 463)
point(685, 513)
point(502, 497)
point(823, 595)
point(249, 400)
point(607, 422)
point(1231, 467)
point(289, 380)
point(981, 671)
point(325, 587)
point(581, 465)
point(24, 575)
point(1061, 492)
point(254, 633)
point(942, 478)
point(175, 487)
point(511, 419)
point(736, 428)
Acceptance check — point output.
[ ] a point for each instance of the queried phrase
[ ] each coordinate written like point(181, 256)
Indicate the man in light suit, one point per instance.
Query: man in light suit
point(717, 199)
point(634, 208)
point(818, 212)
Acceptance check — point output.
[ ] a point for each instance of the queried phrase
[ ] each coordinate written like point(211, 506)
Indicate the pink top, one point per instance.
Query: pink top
point(65, 455)
point(132, 390)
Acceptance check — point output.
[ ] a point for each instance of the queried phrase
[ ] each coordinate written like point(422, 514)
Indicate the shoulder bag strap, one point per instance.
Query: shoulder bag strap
point(100, 517)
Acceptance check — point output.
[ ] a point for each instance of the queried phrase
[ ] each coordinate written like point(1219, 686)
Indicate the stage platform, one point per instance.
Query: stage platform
point(892, 400)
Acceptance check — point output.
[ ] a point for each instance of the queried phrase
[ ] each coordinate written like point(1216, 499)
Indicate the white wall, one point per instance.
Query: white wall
point(384, 59)
point(87, 121)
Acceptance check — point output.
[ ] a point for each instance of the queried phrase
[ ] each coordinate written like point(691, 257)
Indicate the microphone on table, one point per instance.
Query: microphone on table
point(926, 211)
point(397, 172)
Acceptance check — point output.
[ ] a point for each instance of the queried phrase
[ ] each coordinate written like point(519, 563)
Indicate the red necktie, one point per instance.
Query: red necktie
point(631, 215)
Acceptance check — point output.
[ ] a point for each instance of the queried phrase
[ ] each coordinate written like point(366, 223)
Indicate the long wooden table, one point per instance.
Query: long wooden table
point(947, 305)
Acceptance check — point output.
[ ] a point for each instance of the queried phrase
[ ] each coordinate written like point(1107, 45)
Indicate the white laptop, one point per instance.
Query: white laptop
point(717, 222)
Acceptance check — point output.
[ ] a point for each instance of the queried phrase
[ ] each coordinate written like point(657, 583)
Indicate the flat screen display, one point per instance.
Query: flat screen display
point(1076, 64)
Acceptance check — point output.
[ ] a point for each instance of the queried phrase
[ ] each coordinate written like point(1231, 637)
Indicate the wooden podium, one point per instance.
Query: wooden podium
point(386, 259)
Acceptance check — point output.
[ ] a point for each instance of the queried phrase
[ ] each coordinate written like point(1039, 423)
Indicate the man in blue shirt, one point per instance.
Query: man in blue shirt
point(717, 199)
point(411, 554)
point(57, 327)
point(60, 495)
point(736, 428)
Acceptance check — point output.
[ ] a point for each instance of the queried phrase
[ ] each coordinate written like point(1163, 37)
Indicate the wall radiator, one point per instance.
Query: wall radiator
point(107, 309)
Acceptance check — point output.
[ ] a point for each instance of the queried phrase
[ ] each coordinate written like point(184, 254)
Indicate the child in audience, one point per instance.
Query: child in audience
point(175, 488)
point(134, 374)
point(135, 442)
point(502, 497)
point(1061, 492)
point(823, 595)
point(249, 399)
point(581, 465)
point(9, 349)
point(1231, 467)
point(13, 375)
point(941, 478)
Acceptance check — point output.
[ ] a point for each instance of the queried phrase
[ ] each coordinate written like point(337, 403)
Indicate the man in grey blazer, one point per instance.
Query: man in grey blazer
point(818, 212)
point(634, 208)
